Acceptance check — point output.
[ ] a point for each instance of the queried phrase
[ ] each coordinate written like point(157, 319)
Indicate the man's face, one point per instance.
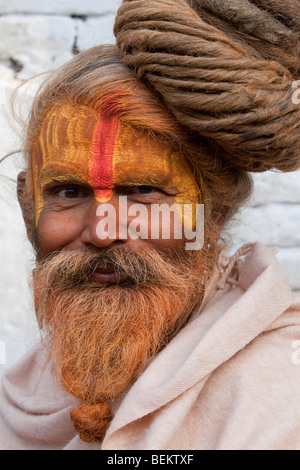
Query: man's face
point(108, 305)
point(83, 161)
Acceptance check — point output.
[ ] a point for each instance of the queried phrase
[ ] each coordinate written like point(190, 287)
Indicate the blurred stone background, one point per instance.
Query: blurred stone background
point(37, 35)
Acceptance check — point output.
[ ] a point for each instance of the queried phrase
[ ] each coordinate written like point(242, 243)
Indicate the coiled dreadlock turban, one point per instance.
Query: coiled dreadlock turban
point(224, 69)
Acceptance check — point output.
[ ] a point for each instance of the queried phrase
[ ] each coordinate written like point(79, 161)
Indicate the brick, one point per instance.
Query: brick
point(12, 232)
point(36, 43)
point(8, 140)
point(273, 225)
point(61, 7)
point(95, 31)
point(16, 313)
point(289, 259)
point(276, 187)
point(6, 74)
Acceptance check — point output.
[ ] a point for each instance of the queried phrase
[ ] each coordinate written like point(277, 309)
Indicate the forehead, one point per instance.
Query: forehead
point(75, 139)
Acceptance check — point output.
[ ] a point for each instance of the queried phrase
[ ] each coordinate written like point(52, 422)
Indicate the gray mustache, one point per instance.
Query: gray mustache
point(75, 268)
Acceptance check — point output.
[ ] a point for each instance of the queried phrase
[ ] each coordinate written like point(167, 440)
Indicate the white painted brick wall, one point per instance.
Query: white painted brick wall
point(95, 31)
point(36, 42)
point(17, 325)
point(36, 35)
point(60, 7)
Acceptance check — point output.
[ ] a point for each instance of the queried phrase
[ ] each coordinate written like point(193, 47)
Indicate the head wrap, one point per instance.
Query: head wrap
point(225, 69)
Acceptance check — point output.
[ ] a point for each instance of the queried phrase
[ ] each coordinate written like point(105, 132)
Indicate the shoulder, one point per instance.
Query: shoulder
point(263, 386)
point(269, 368)
point(286, 328)
point(273, 349)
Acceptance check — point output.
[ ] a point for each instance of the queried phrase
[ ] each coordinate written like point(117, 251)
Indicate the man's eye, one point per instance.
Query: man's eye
point(136, 190)
point(147, 189)
point(71, 192)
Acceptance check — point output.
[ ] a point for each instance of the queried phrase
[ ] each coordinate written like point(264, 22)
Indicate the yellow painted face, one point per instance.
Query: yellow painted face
point(77, 146)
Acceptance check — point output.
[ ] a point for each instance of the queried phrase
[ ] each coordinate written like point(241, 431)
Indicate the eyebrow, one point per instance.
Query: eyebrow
point(52, 175)
point(147, 180)
point(57, 176)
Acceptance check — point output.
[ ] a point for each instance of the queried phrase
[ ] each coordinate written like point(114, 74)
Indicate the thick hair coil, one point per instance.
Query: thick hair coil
point(225, 70)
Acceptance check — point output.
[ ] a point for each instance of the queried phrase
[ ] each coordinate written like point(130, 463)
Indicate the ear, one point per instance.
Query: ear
point(26, 206)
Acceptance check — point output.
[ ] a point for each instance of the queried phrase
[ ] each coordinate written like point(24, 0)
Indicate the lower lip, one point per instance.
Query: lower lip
point(108, 278)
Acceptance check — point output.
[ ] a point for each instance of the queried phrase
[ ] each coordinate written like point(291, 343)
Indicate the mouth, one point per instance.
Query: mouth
point(108, 275)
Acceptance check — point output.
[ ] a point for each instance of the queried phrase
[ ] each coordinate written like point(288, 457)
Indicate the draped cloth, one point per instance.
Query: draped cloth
point(229, 380)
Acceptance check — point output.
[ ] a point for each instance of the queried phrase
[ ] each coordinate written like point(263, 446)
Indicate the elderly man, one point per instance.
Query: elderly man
point(152, 336)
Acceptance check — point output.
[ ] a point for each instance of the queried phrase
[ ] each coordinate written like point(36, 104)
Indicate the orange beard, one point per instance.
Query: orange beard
point(102, 336)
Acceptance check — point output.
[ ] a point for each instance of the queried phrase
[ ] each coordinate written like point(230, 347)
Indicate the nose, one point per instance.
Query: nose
point(101, 224)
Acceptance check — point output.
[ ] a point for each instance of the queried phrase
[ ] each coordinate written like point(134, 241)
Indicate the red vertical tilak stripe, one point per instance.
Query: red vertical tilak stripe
point(101, 170)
